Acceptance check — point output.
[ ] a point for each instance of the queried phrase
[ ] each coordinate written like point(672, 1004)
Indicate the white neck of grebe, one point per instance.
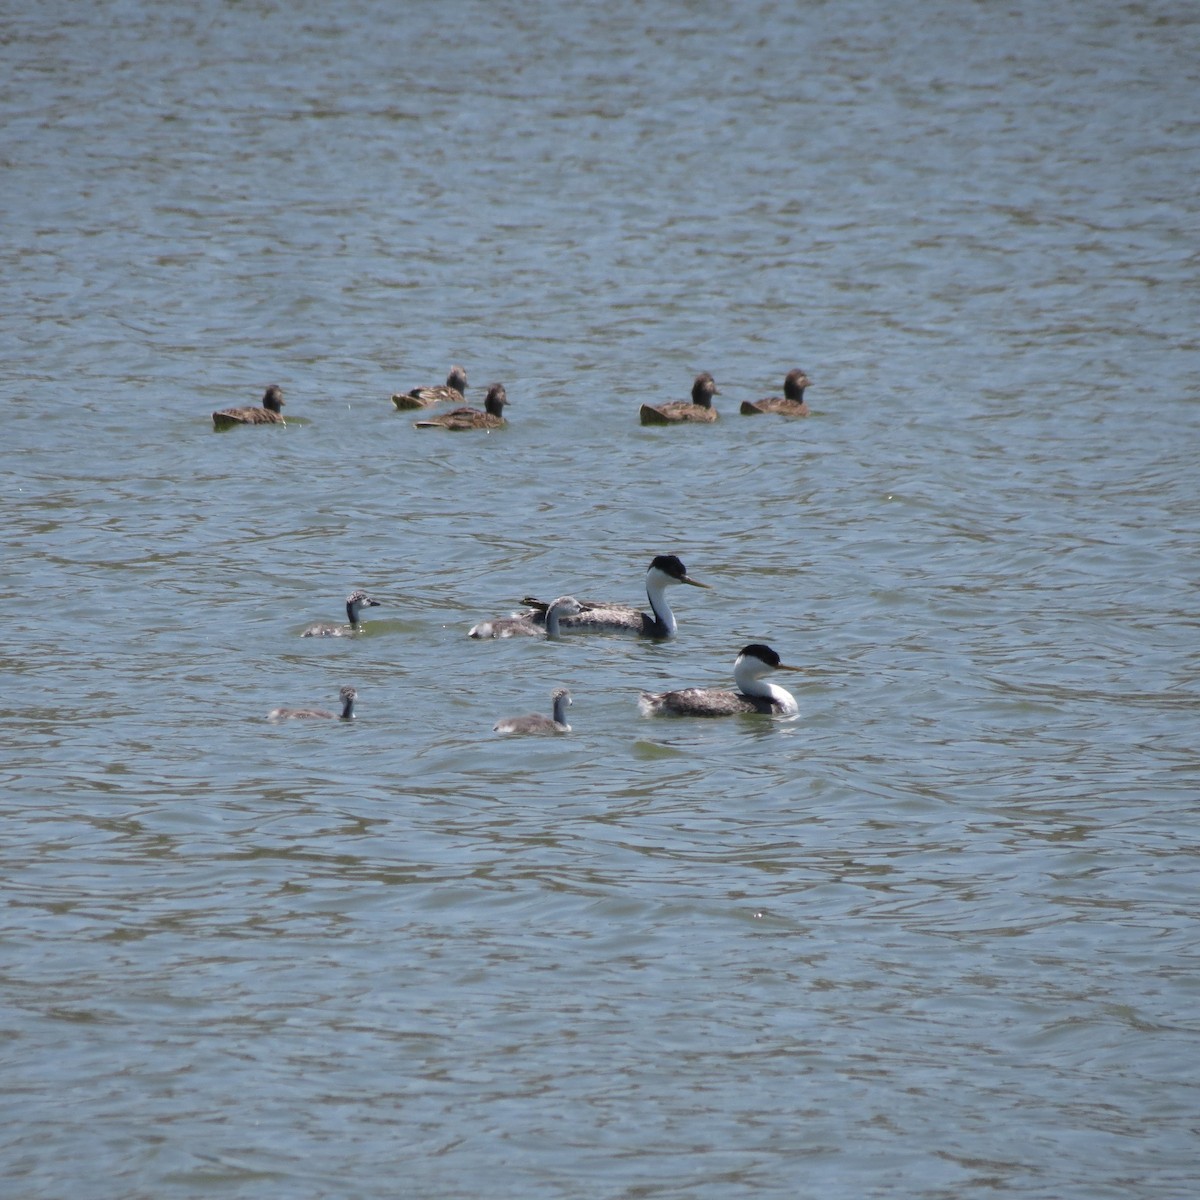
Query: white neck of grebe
point(554, 614)
point(657, 583)
point(749, 675)
point(560, 708)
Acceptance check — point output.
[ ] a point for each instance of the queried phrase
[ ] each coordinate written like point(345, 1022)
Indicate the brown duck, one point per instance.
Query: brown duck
point(492, 416)
point(678, 411)
point(790, 404)
point(271, 412)
point(451, 392)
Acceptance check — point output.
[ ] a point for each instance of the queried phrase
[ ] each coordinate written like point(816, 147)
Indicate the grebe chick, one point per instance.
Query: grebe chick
point(471, 418)
point(700, 408)
point(348, 694)
point(525, 625)
point(754, 694)
point(355, 603)
point(665, 571)
point(535, 722)
point(790, 404)
point(271, 412)
point(451, 391)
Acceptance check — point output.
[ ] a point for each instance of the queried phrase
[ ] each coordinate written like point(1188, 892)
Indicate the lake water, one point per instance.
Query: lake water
point(937, 937)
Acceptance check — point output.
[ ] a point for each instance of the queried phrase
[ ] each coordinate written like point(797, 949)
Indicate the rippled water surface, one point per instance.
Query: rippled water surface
point(937, 937)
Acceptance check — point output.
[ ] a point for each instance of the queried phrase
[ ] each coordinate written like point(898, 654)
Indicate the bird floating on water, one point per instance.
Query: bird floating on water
point(452, 392)
point(535, 722)
point(471, 418)
point(271, 412)
point(790, 404)
point(355, 603)
point(755, 694)
point(348, 694)
point(665, 571)
point(530, 623)
point(700, 407)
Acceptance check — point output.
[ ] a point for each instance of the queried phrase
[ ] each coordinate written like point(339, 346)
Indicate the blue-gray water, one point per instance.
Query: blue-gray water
point(937, 937)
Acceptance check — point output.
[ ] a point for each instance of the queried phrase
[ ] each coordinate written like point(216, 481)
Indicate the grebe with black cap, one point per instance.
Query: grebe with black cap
point(755, 694)
point(666, 570)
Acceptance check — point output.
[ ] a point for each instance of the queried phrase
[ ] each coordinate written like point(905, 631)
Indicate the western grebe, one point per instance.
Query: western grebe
point(452, 391)
point(535, 624)
point(348, 694)
point(754, 694)
point(665, 571)
point(271, 412)
point(700, 407)
point(535, 722)
point(355, 603)
point(471, 418)
point(790, 404)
